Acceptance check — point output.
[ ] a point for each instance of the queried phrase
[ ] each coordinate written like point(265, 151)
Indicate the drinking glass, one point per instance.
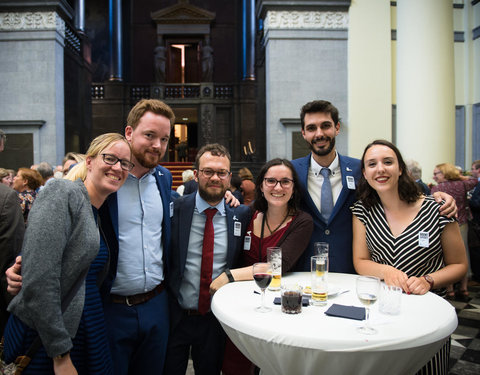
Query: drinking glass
point(274, 257)
point(319, 272)
point(320, 248)
point(368, 288)
point(262, 274)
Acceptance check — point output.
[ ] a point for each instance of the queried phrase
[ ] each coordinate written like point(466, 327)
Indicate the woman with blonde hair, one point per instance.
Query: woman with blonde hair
point(61, 245)
point(452, 182)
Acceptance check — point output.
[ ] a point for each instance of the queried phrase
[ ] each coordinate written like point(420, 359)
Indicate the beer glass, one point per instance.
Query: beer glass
point(274, 257)
point(319, 272)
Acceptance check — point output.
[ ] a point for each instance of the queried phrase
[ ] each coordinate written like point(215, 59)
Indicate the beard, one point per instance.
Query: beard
point(323, 151)
point(146, 160)
point(211, 197)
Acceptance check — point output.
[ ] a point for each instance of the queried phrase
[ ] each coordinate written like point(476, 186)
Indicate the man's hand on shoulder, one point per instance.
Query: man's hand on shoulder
point(449, 208)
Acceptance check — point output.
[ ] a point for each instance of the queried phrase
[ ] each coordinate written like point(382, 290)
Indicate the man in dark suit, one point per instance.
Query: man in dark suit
point(12, 228)
point(203, 227)
point(329, 205)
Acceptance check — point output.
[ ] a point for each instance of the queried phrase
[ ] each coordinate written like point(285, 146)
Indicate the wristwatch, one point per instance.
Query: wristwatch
point(231, 279)
point(429, 280)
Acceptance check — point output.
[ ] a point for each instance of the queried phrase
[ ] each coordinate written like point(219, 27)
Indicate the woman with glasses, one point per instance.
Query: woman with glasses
point(61, 245)
point(277, 221)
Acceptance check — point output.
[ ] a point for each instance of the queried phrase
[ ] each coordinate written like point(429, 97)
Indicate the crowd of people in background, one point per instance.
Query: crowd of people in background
point(151, 257)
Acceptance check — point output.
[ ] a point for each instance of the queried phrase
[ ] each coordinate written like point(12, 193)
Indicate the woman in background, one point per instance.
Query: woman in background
point(451, 181)
point(5, 177)
point(247, 186)
point(61, 241)
point(399, 235)
point(26, 183)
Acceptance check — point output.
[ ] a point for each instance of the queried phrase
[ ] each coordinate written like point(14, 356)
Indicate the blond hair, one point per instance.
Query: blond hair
point(449, 171)
point(99, 144)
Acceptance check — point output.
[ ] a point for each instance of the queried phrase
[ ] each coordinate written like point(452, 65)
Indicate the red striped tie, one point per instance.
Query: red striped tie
point(207, 263)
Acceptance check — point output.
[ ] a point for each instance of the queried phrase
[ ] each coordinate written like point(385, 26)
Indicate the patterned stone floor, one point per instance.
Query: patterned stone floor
point(465, 352)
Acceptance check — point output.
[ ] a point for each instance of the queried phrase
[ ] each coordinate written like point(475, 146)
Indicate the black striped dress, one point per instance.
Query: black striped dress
point(405, 253)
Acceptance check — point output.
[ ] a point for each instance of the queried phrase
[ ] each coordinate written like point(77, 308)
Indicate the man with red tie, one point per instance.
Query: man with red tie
point(207, 239)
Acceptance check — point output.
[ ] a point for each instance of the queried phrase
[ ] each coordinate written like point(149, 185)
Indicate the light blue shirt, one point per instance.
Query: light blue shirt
point(190, 287)
point(140, 217)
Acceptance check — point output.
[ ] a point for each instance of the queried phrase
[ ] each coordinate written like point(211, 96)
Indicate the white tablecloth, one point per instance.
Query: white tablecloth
point(312, 342)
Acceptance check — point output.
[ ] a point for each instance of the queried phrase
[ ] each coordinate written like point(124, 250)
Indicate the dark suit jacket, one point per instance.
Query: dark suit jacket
point(338, 231)
point(109, 220)
point(181, 223)
point(12, 229)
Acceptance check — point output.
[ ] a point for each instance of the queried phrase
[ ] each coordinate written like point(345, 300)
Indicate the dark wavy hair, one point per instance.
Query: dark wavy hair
point(261, 203)
point(408, 190)
point(321, 106)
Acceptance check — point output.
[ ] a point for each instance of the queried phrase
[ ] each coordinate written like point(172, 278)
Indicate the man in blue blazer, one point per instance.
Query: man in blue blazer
point(320, 126)
point(136, 226)
point(192, 324)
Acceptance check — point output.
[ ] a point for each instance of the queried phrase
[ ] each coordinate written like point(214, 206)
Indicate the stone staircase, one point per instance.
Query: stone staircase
point(177, 168)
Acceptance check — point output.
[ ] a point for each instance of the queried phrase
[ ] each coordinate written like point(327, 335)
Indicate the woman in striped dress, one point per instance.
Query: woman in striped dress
point(399, 235)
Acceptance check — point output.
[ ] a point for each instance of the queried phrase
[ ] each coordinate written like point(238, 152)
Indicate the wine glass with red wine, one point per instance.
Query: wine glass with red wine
point(262, 274)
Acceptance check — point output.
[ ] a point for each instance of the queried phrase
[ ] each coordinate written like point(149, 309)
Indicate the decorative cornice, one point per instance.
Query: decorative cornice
point(305, 20)
point(183, 13)
point(32, 21)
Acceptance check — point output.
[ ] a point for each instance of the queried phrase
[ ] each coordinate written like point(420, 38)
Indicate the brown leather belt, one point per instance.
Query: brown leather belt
point(137, 298)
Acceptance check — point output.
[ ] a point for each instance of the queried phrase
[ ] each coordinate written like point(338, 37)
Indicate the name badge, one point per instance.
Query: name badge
point(351, 182)
point(237, 228)
point(423, 239)
point(171, 209)
point(247, 241)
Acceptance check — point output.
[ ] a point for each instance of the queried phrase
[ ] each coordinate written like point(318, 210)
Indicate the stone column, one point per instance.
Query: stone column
point(425, 82)
point(116, 43)
point(248, 43)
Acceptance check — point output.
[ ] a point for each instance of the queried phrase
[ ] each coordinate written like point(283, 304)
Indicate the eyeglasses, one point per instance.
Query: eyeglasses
point(272, 182)
point(435, 173)
point(112, 160)
point(223, 174)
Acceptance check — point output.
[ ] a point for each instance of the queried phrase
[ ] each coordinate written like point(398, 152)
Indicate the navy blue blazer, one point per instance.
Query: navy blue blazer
point(181, 223)
point(338, 231)
point(108, 214)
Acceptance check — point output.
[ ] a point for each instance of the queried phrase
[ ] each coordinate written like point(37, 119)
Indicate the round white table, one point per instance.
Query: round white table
point(312, 342)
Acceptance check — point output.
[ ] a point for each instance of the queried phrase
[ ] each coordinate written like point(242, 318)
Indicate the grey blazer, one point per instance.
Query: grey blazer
point(61, 241)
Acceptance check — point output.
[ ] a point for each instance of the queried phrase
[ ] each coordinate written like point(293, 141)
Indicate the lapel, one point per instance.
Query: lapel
point(347, 169)
point(231, 218)
point(113, 210)
point(185, 216)
point(302, 171)
point(164, 194)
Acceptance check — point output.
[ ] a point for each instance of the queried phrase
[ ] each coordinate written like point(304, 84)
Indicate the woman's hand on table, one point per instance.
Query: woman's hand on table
point(395, 277)
point(418, 285)
point(218, 283)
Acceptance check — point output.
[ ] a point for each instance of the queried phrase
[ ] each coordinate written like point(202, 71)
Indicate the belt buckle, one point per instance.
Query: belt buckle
point(127, 301)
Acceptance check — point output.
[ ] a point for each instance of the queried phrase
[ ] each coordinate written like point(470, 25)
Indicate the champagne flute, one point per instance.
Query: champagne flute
point(368, 288)
point(262, 274)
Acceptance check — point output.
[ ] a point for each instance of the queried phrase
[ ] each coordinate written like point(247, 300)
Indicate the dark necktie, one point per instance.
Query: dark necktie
point(207, 263)
point(326, 200)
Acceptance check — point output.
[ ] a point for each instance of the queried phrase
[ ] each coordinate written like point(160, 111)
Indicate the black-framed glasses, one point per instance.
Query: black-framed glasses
point(272, 182)
point(222, 174)
point(110, 159)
